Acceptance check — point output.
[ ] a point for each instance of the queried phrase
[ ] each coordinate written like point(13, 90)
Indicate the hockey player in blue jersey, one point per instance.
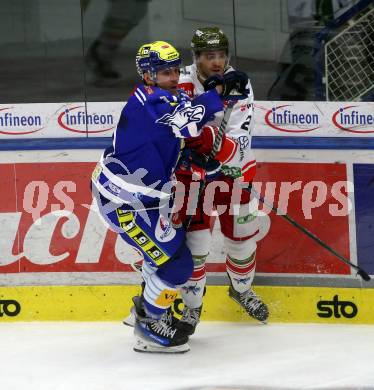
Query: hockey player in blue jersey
point(132, 184)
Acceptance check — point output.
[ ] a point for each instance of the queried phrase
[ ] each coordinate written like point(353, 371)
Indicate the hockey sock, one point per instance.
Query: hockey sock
point(147, 270)
point(158, 296)
point(193, 290)
point(241, 272)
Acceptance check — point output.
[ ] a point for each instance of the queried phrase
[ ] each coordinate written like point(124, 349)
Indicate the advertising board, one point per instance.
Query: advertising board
point(49, 224)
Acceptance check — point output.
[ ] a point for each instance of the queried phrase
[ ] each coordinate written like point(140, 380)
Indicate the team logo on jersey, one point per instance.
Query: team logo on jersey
point(243, 142)
point(180, 118)
point(164, 230)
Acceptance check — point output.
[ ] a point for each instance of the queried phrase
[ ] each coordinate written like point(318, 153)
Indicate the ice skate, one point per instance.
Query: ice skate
point(157, 335)
point(251, 303)
point(190, 319)
point(168, 316)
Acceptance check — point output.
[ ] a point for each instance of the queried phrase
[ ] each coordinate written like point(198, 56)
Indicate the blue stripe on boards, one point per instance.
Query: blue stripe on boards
point(258, 142)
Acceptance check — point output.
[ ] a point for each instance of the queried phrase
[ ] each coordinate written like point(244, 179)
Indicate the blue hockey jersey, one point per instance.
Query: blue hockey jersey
point(147, 142)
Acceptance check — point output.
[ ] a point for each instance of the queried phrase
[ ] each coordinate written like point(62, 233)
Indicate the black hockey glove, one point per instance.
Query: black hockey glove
point(234, 81)
point(212, 81)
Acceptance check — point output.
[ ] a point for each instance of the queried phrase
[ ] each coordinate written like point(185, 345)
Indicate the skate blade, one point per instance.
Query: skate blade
point(129, 320)
point(145, 346)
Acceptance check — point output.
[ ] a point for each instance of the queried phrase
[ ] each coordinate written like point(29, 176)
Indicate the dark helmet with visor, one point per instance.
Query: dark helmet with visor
point(209, 38)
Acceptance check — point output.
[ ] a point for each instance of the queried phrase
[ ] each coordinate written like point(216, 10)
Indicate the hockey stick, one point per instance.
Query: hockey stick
point(222, 129)
point(215, 149)
point(364, 275)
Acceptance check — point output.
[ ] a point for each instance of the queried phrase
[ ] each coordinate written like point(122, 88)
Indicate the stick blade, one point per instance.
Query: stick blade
point(364, 275)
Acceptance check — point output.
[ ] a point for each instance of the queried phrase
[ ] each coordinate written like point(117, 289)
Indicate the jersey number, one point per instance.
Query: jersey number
point(245, 124)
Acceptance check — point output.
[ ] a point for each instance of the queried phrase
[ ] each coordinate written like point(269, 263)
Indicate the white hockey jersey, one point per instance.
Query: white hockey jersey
point(239, 127)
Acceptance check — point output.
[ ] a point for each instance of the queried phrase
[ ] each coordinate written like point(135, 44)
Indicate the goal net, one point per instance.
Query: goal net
point(349, 61)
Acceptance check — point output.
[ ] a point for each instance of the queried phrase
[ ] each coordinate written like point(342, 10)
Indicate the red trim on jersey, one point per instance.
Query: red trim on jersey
point(188, 88)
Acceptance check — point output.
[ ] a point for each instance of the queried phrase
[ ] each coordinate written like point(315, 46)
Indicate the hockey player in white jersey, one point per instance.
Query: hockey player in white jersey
point(210, 50)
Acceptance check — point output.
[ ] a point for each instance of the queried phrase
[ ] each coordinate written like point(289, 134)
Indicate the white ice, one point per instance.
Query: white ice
point(99, 356)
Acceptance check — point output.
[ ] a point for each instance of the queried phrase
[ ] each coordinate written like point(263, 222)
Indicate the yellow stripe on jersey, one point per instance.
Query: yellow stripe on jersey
point(127, 223)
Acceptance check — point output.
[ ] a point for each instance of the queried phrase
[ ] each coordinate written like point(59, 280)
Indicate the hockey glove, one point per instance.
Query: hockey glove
point(212, 82)
point(234, 81)
point(197, 165)
point(211, 166)
point(205, 141)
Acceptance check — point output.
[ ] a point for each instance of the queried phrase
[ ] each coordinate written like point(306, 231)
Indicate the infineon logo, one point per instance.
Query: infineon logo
point(12, 123)
point(77, 120)
point(353, 120)
point(284, 119)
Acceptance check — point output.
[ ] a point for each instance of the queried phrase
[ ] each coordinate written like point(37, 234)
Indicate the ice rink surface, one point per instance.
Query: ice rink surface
point(99, 356)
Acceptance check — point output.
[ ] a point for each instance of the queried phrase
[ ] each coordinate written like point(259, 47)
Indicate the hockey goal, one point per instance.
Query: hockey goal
point(349, 61)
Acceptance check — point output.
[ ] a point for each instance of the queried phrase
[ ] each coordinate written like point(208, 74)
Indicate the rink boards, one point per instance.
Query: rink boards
point(113, 303)
point(59, 262)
